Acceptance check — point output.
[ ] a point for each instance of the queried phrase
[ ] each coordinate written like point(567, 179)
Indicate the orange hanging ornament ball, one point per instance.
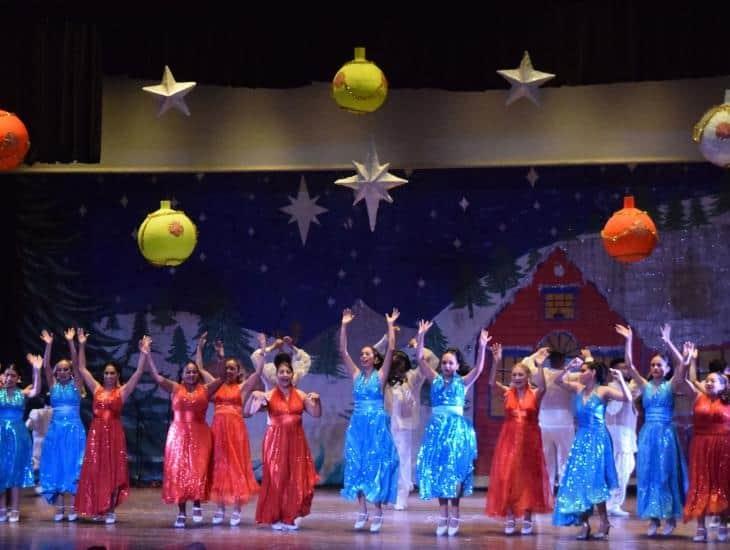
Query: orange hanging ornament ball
point(14, 141)
point(630, 234)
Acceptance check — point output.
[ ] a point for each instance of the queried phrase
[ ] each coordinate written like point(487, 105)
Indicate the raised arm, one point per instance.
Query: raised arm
point(258, 365)
point(347, 317)
point(88, 379)
point(666, 332)
point(628, 335)
point(165, 383)
point(561, 382)
point(680, 372)
point(255, 403)
point(474, 373)
point(384, 371)
point(690, 375)
point(199, 346)
point(301, 361)
point(312, 403)
point(496, 350)
point(607, 392)
point(78, 378)
point(144, 352)
point(47, 337)
point(539, 378)
point(36, 361)
point(426, 371)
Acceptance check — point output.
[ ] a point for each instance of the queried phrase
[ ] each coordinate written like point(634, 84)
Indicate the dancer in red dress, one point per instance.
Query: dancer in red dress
point(709, 454)
point(104, 481)
point(518, 480)
point(233, 479)
point(189, 444)
point(289, 473)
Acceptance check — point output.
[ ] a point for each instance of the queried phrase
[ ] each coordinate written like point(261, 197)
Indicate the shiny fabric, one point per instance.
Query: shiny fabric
point(590, 473)
point(104, 472)
point(371, 459)
point(709, 460)
point(445, 464)
point(518, 479)
point(63, 448)
point(289, 475)
point(233, 477)
point(188, 447)
point(16, 447)
point(661, 473)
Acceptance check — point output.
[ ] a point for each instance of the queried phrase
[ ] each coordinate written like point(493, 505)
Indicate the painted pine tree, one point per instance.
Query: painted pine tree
point(178, 354)
point(469, 290)
point(697, 214)
point(504, 273)
point(325, 354)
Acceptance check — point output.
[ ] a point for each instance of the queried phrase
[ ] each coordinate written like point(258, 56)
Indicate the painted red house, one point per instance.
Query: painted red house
point(559, 308)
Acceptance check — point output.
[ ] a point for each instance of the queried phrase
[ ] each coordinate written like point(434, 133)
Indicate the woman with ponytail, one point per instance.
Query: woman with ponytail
point(590, 473)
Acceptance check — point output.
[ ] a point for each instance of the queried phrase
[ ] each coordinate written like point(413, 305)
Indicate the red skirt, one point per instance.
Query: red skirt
point(187, 459)
point(709, 476)
point(518, 479)
point(233, 477)
point(104, 481)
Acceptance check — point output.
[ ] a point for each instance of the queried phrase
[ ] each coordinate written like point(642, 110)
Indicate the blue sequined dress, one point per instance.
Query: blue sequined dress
point(16, 446)
point(371, 459)
point(590, 473)
point(446, 458)
point(63, 447)
point(661, 472)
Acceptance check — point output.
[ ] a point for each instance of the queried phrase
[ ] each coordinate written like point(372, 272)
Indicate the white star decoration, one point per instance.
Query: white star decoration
point(532, 177)
point(172, 93)
point(303, 210)
point(524, 81)
point(372, 183)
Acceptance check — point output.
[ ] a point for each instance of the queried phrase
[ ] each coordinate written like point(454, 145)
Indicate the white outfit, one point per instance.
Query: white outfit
point(300, 363)
point(621, 424)
point(403, 404)
point(38, 421)
point(556, 420)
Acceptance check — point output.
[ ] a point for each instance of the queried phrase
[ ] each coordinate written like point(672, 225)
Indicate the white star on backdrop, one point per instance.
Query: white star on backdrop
point(524, 81)
point(464, 203)
point(341, 274)
point(331, 301)
point(83, 211)
point(433, 214)
point(421, 283)
point(171, 93)
point(202, 217)
point(457, 243)
point(532, 177)
point(536, 206)
point(377, 280)
point(372, 183)
point(124, 201)
point(303, 210)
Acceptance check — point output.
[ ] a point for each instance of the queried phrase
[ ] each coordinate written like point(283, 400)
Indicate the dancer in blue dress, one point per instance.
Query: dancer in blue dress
point(590, 473)
point(16, 447)
point(445, 465)
point(371, 459)
point(63, 447)
point(661, 472)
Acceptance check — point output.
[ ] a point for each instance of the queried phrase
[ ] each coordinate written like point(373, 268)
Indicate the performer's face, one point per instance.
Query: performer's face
point(284, 374)
point(232, 371)
point(449, 364)
point(658, 367)
point(715, 383)
point(587, 375)
point(10, 379)
point(190, 374)
point(367, 358)
point(111, 377)
point(63, 371)
point(519, 376)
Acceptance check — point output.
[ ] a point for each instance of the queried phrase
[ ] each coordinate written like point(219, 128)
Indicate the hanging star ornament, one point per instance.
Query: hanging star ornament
point(303, 210)
point(525, 81)
point(171, 93)
point(372, 183)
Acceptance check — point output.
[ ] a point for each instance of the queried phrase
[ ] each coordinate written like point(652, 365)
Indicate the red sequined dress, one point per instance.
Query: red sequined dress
point(709, 460)
point(233, 478)
point(518, 479)
point(289, 475)
point(188, 447)
point(104, 481)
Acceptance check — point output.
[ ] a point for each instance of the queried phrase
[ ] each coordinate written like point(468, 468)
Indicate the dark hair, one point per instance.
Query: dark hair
point(556, 356)
point(286, 364)
point(616, 361)
point(601, 371)
point(186, 365)
point(464, 367)
point(717, 365)
point(670, 368)
point(399, 367)
point(282, 358)
point(12, 367)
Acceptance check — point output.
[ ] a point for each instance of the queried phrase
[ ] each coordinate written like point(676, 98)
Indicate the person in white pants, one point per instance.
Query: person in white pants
point(557, 426)
point(403, 404)
point(621, 424)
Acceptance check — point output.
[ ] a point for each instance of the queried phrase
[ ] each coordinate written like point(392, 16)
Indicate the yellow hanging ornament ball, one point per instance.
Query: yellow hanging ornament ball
point(167, 237)
point(359, 86)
